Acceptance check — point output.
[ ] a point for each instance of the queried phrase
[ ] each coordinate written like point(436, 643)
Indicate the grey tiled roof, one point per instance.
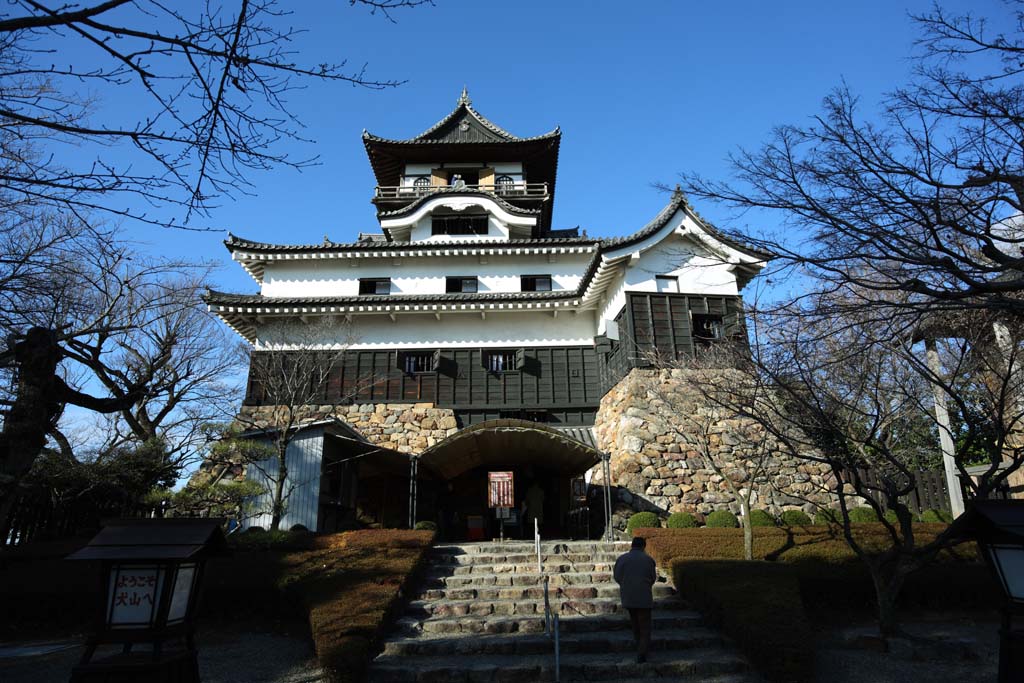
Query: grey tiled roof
point(234, 242)
point(228, 299)
point(584, 435)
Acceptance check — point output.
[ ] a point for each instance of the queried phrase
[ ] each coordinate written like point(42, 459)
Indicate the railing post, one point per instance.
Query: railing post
point(547, 609)
point(558, 654)
point(536, 544)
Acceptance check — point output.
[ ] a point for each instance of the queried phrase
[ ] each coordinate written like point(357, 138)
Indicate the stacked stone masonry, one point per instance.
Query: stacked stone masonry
point(659, 429)
point(404, 427)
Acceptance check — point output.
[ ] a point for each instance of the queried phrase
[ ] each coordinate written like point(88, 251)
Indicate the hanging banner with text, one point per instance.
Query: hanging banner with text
point(501, 493)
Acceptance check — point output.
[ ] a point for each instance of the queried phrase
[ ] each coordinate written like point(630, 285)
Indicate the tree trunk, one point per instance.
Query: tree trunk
point(887, 591)
point(748, 530)
point(277, 506)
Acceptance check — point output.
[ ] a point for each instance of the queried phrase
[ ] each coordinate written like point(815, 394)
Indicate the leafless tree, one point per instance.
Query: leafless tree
point(702, 427)
point(916, 209)
point(291, 383)
point(846, 394)
point(210, 84)
point(106, 319)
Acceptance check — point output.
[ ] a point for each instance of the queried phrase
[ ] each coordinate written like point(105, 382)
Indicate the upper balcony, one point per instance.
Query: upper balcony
point(514, 192)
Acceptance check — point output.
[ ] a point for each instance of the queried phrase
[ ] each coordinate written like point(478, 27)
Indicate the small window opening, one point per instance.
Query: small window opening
point(465, 285)
point(421, 185)
point(500, 361)
point(667, 283)
point(413, 362)
point(536, 283)
point(504, 184)
point(707, 328)
point(375, 285)
point(459, 225)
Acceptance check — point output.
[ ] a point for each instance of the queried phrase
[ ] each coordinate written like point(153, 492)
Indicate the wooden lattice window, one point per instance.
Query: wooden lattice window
point(505, 184)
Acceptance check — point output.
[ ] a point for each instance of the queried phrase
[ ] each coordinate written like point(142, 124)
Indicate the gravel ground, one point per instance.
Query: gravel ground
point(976, 635)
point(227, 654)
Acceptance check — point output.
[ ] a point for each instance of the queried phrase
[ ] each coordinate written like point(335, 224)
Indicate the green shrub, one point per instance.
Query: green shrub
point(425, 525)
point(890, 516)
point(826, 516)
point(682, 520)
point(795, 518)
point(642, 520)
point(722, 519)
point(936, 517)
point(299, 527)
point(861, 515)
point(279, 540)
point(758, 605)
point(761, 518)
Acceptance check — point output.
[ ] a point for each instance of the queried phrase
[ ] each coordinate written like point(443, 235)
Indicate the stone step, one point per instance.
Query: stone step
point(528, 548)
point(494, 624)
point(612, 641)
point(528, 568)
point(561, 606)
point(435, 580)
point(445, 559)
point(602, 590)
point(687, 665)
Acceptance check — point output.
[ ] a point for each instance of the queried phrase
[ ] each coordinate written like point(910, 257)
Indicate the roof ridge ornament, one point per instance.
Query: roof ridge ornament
point(679, 196)
point(464, 98)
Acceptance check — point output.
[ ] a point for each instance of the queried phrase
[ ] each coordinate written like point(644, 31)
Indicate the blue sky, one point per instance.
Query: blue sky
point(642, 91)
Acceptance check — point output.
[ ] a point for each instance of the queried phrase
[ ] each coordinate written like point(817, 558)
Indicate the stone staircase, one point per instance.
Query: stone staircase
point(479, 618)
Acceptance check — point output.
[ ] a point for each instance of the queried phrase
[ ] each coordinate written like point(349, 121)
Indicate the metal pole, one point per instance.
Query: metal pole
point(415, 488)
point(607, 472)
point(558, 657)
point(956, 496)
point(413, 462)
point(547, 609)
point(536, 543)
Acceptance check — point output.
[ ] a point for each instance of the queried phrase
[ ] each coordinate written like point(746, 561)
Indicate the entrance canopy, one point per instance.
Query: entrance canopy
point(505, 443)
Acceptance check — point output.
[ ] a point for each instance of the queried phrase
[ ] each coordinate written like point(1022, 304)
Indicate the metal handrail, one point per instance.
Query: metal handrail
point(528, 190)
point(550, 617)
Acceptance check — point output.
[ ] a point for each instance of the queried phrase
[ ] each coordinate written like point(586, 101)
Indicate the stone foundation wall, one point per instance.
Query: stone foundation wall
point(404, 427)
point(658, 428)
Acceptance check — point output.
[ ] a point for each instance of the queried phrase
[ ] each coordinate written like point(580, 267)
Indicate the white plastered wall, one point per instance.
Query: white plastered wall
point(453, 330)
point(418, 275)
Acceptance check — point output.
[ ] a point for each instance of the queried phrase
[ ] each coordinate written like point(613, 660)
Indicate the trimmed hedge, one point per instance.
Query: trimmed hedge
point(642, 520)
point(722, 519)
point(350, 583)
point(827, 516)
point(761, 518)
point(795, 518)
point(862, 515)
point(821, 544)
point(763, 605)
point(425, 525)
point(937, 517)
point(757, 604)
point(682, 520)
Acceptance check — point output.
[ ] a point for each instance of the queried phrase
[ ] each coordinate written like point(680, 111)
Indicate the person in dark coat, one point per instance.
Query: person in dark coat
point(635, 572)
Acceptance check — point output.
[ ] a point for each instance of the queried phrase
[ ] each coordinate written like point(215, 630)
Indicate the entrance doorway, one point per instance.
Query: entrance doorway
point(543, 461)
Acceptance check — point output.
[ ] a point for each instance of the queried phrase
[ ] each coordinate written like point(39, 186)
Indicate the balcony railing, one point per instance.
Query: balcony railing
point(504, 190)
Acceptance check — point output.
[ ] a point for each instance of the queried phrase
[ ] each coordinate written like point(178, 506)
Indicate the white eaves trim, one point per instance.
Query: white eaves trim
point(255, 262)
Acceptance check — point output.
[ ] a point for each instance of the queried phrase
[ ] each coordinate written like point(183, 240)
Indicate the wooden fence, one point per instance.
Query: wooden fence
point(931, 492)
point(35, 516)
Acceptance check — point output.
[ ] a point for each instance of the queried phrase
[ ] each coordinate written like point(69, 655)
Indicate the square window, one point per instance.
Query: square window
point(465, 285)
point(503, 360)
point(667, 283)
point(536, 283)
point(375, 285)
point(707, 328)
point(413, 362)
